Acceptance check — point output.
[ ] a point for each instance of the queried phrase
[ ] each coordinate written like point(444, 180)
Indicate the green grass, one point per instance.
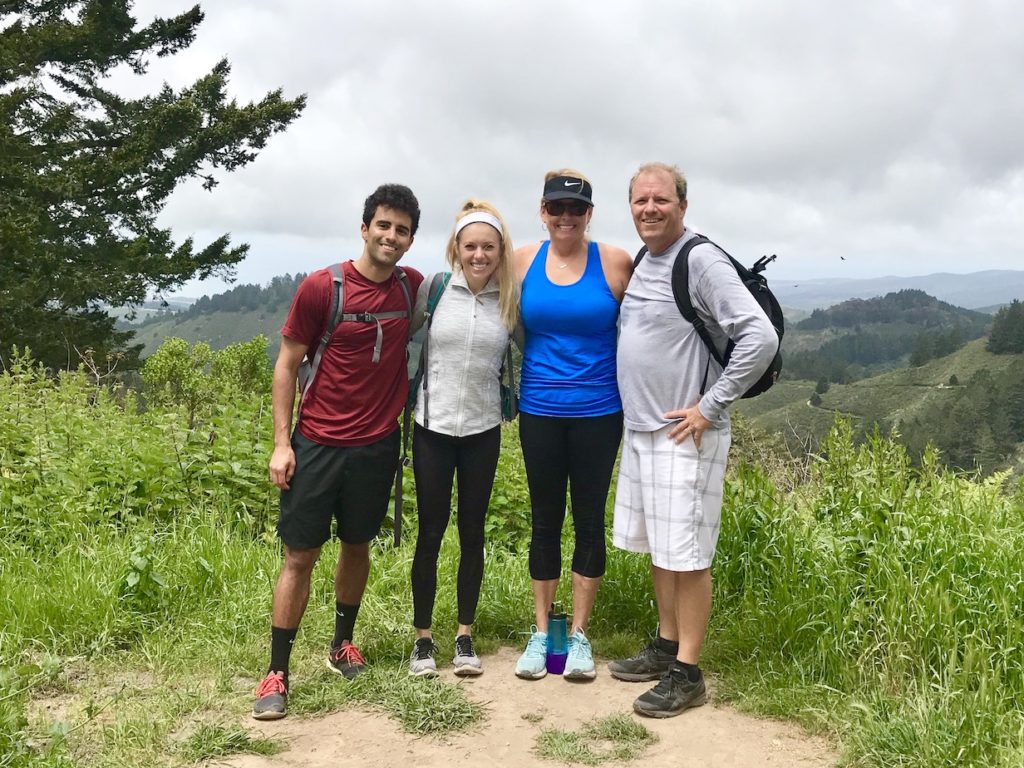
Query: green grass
point(869, 599)
point(616, 738)
point(215, 741)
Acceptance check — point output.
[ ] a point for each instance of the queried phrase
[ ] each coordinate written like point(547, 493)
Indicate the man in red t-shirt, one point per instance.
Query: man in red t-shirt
point(341, 458)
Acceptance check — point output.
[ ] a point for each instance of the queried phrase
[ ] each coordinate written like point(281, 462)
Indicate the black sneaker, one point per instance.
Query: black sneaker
point(346, 660)
point(673, 694)
point(650, 664)
point(271, 698)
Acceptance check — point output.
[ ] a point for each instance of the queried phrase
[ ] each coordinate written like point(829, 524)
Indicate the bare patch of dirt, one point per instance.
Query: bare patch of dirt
point(712, 735)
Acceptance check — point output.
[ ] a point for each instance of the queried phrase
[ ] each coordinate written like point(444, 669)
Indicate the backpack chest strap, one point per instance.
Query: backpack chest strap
point(374, 317)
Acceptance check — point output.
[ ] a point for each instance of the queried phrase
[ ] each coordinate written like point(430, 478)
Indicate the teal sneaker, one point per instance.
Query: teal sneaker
point(532, 665)
point(579, 663)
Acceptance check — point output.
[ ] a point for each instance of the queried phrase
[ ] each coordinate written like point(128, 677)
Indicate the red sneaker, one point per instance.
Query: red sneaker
point(271, 698)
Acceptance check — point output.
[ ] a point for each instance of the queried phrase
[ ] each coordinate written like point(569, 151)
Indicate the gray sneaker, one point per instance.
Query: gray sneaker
point(651, 663)
point(421, 661)
point(671, 696)
point(466, 662)
point(271, 698)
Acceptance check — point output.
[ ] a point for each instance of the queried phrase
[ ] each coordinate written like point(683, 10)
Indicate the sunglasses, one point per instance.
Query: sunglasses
point(558, 207)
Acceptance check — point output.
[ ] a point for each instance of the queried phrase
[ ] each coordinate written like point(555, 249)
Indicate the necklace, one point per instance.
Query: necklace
point(563, 264)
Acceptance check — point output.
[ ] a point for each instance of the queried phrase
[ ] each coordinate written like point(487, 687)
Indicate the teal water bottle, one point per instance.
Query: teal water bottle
point(558, 639)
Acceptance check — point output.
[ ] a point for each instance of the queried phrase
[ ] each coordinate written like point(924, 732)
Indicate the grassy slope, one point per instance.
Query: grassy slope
point(218, 329)
point(885, 399)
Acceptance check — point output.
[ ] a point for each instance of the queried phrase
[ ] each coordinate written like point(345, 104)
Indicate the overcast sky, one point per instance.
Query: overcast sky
point(887, 133)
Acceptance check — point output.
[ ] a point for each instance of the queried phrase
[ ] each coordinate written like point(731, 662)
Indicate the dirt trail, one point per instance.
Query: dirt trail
point(714, 735)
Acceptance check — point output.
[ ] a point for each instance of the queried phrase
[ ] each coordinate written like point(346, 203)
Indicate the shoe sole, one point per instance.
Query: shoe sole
point(468, 671)
point(579, 674)
point(268, 715)
point(637, 677)
point(662, 713)
point(423, 673)
point(531, 675)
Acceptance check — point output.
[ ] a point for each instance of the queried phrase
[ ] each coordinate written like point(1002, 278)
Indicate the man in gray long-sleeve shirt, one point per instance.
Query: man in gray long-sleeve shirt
point(669, 496)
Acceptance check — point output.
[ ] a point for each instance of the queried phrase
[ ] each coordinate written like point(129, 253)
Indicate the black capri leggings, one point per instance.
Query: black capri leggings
point(578, 453)
point(436, 459)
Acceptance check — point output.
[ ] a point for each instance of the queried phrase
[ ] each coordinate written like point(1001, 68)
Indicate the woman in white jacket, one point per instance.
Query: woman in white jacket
point(458, 427)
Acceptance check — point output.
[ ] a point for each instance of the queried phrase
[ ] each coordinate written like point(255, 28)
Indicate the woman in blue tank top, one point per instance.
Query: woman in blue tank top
point(570, 415)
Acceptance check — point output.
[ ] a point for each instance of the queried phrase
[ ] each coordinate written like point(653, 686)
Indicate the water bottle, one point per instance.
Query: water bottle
point(558, 639)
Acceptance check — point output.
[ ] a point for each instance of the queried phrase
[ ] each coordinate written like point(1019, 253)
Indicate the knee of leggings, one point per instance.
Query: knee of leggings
point(473, 543)
point(429, 542)
point(589, 559)
point(545, 564)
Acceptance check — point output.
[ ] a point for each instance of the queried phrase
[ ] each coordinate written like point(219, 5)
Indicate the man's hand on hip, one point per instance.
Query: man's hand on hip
point(690, 422)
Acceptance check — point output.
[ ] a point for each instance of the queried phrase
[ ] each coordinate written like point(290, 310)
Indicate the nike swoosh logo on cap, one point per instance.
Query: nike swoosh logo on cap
point(572, 183)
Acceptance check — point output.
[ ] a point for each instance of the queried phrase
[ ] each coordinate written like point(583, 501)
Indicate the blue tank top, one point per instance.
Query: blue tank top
point(571, 330)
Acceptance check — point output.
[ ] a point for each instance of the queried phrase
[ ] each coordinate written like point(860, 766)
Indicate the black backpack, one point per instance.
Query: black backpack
point(758, 287)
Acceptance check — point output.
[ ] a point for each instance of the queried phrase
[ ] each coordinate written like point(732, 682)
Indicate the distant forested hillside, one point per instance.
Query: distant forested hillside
point(242, 298)
point(969, 404)
point(232, 317)
point(863, 337)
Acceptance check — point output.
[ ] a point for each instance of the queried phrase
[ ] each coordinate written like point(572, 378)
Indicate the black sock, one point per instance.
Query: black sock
point(691, 671)
point(344, 623)
point(666, 646)
point(281, 649)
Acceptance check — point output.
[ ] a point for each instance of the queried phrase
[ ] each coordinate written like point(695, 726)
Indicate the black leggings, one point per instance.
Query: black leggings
point(578, 453)
point(436, 459)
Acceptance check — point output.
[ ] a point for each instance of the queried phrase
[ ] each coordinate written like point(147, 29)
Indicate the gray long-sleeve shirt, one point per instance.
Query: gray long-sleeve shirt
point(661, 358)
point(467, 347)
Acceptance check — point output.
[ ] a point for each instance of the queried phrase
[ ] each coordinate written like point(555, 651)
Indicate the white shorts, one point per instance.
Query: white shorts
point(669, 497)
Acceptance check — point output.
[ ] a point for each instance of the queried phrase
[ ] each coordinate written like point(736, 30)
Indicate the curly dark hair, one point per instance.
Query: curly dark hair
point(395, 196)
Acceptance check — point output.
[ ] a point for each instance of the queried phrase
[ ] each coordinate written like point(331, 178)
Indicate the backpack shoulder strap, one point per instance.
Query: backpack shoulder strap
point(334, 316)
point(639, 256)
point(681, 293)
point(337, 297)
point(438, 283)
point(403, 282)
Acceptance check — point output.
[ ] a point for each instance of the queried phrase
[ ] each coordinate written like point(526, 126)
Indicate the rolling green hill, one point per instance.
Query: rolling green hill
point(916, 401)
point(859, 338)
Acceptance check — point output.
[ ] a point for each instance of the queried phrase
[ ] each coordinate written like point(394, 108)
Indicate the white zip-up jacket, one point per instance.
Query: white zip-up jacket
point(464, 356)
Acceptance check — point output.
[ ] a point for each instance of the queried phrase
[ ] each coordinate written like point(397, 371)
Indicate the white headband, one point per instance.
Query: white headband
point(477, 217)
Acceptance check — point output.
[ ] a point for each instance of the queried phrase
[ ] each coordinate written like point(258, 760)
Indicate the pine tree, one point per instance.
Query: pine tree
point(1007, 335)
point(84, 172)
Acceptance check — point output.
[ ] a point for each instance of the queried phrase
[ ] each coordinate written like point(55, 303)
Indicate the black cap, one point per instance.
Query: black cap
point(568, 188)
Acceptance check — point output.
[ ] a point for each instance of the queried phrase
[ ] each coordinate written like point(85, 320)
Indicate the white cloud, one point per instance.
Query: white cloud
point(884, 132)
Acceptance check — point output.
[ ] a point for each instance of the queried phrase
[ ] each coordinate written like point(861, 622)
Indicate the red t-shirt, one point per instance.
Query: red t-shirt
point(353, 401)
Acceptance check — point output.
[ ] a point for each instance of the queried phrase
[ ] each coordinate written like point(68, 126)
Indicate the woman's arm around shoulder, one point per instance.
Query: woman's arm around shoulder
point(618, 268)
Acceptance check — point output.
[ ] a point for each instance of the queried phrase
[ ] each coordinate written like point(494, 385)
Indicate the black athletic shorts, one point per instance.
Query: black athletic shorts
point(349, 484)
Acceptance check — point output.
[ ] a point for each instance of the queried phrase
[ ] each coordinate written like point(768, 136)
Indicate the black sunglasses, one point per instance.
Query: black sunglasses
point(558, 207)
